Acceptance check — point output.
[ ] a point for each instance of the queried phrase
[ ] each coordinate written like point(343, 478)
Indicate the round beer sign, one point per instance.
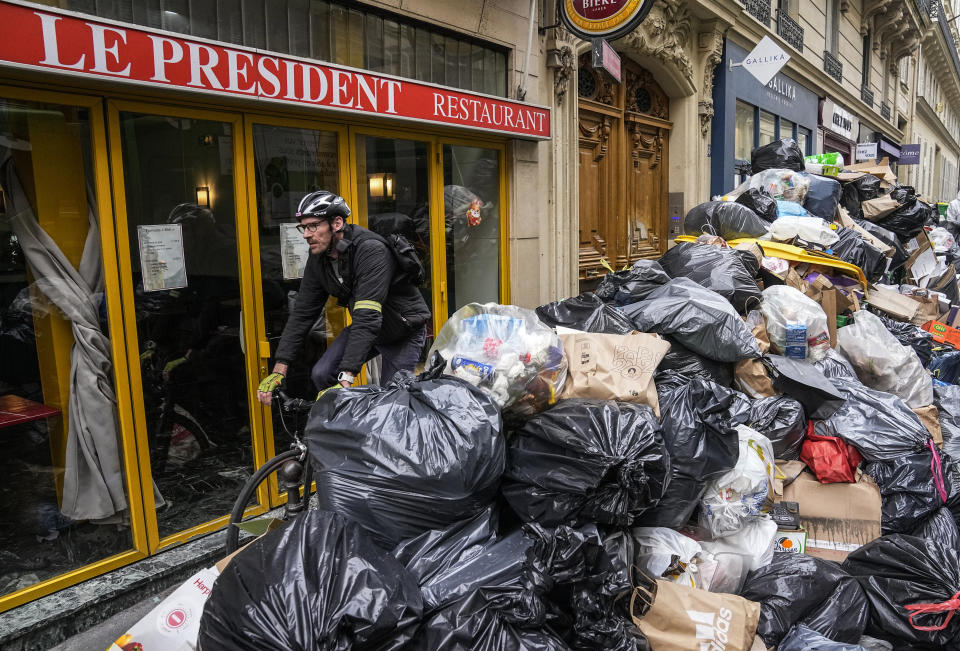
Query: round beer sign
point(608, 19)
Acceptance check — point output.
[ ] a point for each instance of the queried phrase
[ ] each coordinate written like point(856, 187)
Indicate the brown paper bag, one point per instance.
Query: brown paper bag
point(613, 367)
point(874, 209)
point(676, 617)
point(930, 418)
point(750, 376)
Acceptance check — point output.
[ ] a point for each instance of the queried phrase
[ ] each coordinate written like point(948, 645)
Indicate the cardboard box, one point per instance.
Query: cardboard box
point(837, 518)
point(900, 307)
point(943, 333)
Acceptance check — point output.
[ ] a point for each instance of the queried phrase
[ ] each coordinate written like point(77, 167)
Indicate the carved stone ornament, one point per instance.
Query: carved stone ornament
point(712, 43)
point(563, 72)
point(663, 36)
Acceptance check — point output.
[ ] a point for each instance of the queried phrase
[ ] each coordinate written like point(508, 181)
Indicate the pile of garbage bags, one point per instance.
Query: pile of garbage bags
point(747, 443)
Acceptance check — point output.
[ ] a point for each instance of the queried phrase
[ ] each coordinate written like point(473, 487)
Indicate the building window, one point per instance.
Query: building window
point(865, 70)
point(745, 130)
point(786, 129)
point(768, 129)
point(803, 140)
point(341, 33)
point(832, 26)
point(788, 7)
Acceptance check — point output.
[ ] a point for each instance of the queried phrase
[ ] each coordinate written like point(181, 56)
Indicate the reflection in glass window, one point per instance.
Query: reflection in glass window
point(62, 492)
point(471, 207)
point(181, 219)
point(768, 129)
point(745, 129)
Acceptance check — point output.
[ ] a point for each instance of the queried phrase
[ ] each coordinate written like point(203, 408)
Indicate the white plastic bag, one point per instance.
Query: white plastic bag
point(744, 493)
point(782, 184)
point(784, 305)
point(809, 229)
point(505, 350)
point(942, 240)
point(755, 543)
point(882, 363)
point(667, 554)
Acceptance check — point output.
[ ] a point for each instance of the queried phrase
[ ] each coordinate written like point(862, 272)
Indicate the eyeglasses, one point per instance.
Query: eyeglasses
point(308, 229)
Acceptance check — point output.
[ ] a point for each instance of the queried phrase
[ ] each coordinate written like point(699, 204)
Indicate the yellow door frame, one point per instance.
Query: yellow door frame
point(128, 448)
point(248, 306)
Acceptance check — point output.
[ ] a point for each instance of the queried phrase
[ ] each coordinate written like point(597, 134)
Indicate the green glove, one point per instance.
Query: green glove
point(270, 382)
point(172, 365)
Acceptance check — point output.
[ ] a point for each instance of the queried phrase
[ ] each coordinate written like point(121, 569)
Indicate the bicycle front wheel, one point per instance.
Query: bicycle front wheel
point(248, 491)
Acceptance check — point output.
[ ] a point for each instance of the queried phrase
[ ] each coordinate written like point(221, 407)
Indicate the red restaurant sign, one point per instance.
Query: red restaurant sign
point(69, 43)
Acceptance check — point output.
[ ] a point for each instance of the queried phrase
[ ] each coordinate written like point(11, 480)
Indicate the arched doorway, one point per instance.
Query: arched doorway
point(624, 134)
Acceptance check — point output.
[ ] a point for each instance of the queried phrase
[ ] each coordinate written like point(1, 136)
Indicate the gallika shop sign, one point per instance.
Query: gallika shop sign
point(68, 43)
point(608, 19)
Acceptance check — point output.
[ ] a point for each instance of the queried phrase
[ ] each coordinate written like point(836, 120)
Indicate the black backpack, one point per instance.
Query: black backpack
point(408, 262)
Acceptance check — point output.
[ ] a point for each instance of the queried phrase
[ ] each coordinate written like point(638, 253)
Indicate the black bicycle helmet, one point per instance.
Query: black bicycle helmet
point(323, 204)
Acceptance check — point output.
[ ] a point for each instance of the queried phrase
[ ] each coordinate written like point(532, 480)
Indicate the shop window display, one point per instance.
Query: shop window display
point(62, 492)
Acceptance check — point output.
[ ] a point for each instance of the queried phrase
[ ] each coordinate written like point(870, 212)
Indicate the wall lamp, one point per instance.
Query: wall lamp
point(203, 196)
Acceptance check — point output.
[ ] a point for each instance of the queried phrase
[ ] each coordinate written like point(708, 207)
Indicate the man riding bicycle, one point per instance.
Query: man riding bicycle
point(359, 268)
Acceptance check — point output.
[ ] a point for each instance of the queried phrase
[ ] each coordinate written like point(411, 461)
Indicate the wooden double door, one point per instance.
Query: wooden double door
point(624, 131)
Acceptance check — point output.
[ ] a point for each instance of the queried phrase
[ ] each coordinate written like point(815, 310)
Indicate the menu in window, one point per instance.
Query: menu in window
point(161, 257)
point(294, 252)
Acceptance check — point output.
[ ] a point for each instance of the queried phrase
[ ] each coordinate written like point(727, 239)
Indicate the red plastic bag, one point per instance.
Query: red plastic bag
point(831, 459)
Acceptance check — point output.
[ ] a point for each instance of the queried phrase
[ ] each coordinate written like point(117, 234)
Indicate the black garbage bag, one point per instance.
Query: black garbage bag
point(414, 456)
point(586, 588)
point(699, 420)
point(489, 619)
point(900, 255)
point(761, 202)
point(947, 400)
point(728, 219)
point(721, 270)
point(796, 588)
point(805, 383)
point(779, 154)
point(319, 582)
point(910, 335)
point(852, 248)
point(878, 424)
point(448, 563)
point(823, 197)
point(939, 528)
point(903, 192)
point(835, 365)
point(698, 318)
point(684, 361)
point(633, 284)
point(587, 461)
point(783, 421)
point(909, 488)
point(946, 367)
point(907, 220)
point(856, 192)
point(585, 312)
point(804, 638)
point(900, 571)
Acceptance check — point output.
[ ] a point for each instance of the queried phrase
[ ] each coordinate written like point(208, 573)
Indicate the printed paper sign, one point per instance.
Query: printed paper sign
point(867, 151)
point(162, 262)
point(294, 252)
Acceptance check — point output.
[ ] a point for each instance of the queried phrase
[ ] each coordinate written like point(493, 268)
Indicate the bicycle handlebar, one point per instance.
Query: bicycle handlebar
point(291, 405)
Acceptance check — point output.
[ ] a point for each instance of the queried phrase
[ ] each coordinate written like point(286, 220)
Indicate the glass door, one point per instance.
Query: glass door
point(288, 161)
point(393, 196)
point(68, 486)
point(184, 248)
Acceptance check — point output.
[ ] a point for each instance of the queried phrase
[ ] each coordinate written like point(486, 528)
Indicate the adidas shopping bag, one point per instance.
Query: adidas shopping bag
point(676, 617)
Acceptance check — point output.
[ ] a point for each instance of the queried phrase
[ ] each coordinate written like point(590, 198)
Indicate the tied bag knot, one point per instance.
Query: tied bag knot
point(950, 606)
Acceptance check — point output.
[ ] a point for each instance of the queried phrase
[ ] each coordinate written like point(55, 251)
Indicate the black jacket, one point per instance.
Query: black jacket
point(364, 272)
